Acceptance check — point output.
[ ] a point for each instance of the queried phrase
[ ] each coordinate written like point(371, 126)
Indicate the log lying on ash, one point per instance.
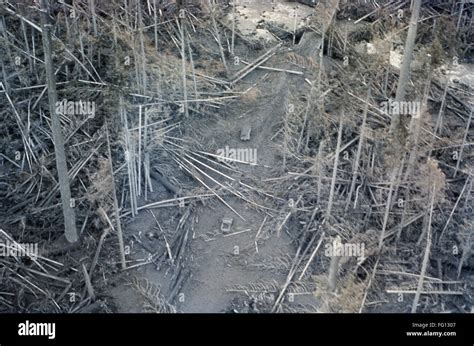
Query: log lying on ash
point(156, 174)
point(311, 3)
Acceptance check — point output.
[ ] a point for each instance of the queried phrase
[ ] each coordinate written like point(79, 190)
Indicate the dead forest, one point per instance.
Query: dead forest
point(236, 156)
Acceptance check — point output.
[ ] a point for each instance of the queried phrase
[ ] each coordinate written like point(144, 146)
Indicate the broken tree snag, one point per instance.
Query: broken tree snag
point(405, 68)
point(355, 169)
point(116, 207)
point(70, 230)
point(181, 25)
point(426, 256)
point(87, 279)
point(233, 29)
point(334, 265)
point(393, 177)
point(461, 150)
point(334, 171)
point(94, 16)
point(213, 7)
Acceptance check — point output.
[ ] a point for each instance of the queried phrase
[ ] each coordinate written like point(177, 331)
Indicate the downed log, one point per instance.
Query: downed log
point(156, 174)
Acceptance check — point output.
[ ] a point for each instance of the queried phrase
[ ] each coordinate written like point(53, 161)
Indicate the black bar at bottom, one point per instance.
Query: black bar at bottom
point(314, 329)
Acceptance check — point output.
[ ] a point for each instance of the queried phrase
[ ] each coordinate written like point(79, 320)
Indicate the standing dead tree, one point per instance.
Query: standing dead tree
point(463, 143)
point(426, 256)
point(407, 57)
point(334, 171)
point(213, 7)
point(356, 165)
point(181, 25)
point(61, 164)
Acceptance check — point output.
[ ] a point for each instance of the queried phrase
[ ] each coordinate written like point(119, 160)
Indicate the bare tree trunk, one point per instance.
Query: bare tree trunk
point(334, 171)
point(415, 129)
point(321, 64)
point(213, 7)
point(426, 257)
point(233, 28)
point(116, 207)
point(355, 171)
point(319, 168)
point(181, 24)
point(69, 217)
point(407, 57)
point(94, 16)
point(144, 84)
point(463, 143)
point(155, 21)
point(393, 177)
point(460, 15)
point(334, 265)
point(286, 136)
